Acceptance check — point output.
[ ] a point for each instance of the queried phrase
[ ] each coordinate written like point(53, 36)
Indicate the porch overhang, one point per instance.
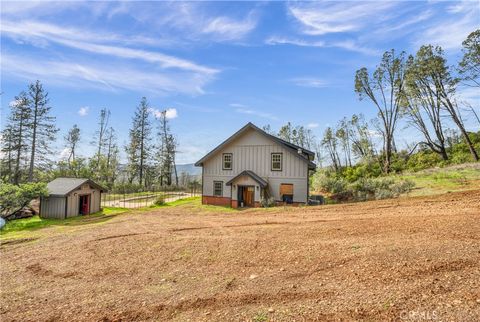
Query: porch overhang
point(263, 183)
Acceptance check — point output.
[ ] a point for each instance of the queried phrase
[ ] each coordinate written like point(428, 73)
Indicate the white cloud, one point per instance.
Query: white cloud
point(313, 125)
point(14, 103)
point(83, 111)
point(452, 29)
point(256, 113)
point(320, 18)
point(103, 76)
point(274, 40)
point(347, 44)
point(225, 28)
point(309, 82)
point(40, 34)
point(64, 154)
point(237, 105)
point(170, 113)
point(194, 21)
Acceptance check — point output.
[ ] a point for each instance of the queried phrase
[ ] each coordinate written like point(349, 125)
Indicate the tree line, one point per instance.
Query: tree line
point(31, 132)
point(421, 89)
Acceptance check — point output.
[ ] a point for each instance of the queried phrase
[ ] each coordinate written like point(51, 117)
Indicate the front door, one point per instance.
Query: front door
point(85, 204)
point(248, 196)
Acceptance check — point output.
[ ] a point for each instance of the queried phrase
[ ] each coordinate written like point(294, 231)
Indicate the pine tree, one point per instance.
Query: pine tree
point(138, 150)
point(15, 137)
point(42, 127)
point(166, 152)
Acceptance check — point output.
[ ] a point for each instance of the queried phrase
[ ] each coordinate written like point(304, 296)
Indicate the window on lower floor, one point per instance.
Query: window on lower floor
point(218, 188)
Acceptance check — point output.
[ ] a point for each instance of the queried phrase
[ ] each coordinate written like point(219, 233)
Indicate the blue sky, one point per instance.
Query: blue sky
point(216, 65)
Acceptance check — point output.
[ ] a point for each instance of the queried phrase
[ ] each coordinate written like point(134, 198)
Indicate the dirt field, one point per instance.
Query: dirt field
point(414, 259)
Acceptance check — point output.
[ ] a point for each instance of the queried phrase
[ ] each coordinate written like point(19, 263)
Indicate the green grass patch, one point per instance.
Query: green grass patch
point(442, 180)
point(18, 227)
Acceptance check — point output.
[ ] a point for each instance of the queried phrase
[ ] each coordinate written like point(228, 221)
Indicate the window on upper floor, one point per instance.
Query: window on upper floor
point(218, 188)
point(277, 161)
point(227, 161)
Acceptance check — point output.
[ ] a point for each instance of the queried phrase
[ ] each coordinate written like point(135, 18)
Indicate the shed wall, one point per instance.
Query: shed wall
point(53, 207)
point(74, 199)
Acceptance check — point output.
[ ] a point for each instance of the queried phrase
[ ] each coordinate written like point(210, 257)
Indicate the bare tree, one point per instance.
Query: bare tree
point(71, 139)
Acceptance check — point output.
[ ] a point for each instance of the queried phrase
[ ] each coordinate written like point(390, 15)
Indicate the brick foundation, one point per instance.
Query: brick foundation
point(227, 202)
point(217, 201)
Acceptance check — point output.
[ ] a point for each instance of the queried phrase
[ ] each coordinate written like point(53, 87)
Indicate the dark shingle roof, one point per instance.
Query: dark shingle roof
point(63, 186)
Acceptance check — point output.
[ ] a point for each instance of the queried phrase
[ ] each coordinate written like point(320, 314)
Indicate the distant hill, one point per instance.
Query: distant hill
point(189, 168)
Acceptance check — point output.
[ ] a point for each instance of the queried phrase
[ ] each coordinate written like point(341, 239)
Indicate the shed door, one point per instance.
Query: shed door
point(84, 204)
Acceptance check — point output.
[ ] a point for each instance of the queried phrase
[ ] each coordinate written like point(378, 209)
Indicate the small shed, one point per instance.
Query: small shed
point(69, 197)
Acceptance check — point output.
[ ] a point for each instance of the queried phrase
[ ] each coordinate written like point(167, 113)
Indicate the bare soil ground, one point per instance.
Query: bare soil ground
point(411, 259)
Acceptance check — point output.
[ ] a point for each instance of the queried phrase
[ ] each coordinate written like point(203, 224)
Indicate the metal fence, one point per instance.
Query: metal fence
point(147, 197)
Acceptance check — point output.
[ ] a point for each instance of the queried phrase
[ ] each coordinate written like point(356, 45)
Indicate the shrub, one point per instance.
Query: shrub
point(267, 202)
point(424, 160)
point(332, 184)
point(13, 198)
point(159, 201)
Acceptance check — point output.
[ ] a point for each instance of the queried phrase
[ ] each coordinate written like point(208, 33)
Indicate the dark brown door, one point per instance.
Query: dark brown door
point(85, 204)
point(248, 196)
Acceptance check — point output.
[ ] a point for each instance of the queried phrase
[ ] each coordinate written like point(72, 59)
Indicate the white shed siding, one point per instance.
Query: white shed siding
point(53, 207)
point(252, 151)
point(74, 197)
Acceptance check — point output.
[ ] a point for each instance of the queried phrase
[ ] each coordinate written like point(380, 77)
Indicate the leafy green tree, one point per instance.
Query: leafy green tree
point(42, 127)
point(423, 103)
point(15, 197)
point(361, 138)
point(384, 89)
point(298, 135)
point(469, 66)
point(330, 142)
point(78, 168)
point(433, 73)
point(343, 135)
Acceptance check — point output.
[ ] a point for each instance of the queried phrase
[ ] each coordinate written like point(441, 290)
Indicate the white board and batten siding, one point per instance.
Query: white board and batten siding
point(252, 151)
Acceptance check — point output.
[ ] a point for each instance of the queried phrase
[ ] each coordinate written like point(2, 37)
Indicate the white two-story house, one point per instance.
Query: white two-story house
point(252, 165)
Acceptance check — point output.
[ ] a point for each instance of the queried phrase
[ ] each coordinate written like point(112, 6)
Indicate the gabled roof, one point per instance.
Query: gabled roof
point(63, 186)
point(290, 146)
point(252, 175)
